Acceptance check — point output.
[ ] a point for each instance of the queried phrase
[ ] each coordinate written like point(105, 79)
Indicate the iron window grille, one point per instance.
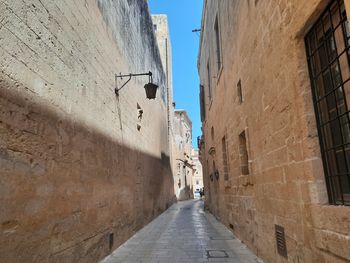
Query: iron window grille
point(327, 45)
point(243, 154)
point(225, 158)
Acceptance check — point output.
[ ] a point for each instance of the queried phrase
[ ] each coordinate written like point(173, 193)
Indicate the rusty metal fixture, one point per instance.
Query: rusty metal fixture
point(150, 87)
point(151, 90)
point(186, 164)
point(212, 151)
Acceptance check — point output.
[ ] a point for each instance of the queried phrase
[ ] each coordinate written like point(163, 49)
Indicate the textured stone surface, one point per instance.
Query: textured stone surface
point(182, 148)
point(162, 32)
point(74, 168)
point(183, 234)
point(262, 45)
point(197, 178)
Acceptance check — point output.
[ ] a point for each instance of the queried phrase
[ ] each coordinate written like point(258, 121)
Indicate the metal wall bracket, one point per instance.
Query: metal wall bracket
point(120, 76)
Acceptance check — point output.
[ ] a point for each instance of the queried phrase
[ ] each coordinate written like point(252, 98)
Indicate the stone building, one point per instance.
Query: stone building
point(182, 148)
point(81, 169)
point(197, 173)
point(275, 146)
point(161, 29)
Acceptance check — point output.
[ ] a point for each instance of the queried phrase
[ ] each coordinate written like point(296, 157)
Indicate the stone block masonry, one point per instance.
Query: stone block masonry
point(256, 92)
point(77, 176)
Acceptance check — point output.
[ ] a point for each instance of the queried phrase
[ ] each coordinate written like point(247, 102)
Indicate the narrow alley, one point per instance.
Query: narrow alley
point(184, 233)
point(184, 131)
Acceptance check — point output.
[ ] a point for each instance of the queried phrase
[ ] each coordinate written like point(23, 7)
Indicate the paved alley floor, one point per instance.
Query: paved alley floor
point(183, 234)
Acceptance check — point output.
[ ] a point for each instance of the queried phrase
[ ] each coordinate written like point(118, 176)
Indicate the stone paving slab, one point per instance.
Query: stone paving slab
point(183, 234)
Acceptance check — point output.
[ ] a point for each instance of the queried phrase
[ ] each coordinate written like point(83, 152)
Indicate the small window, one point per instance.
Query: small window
point(327, 51)
point(217, 42)
point(239, 92)
point(209, 81)
point(202, 102)
point(212, 133)
point(224, 158)
point(155, 27)
point(197, 182)
point(243, 153)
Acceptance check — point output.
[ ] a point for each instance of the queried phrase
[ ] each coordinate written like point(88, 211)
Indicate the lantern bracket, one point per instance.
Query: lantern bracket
point(120, 76)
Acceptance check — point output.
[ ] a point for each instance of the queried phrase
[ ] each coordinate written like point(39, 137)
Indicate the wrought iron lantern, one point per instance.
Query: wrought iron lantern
point(150, 87)
point(151, 90)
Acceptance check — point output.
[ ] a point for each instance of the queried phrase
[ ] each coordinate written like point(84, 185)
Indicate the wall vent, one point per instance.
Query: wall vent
point(281, 241)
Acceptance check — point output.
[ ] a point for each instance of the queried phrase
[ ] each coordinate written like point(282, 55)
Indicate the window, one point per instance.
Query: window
point(217, 43)
point(197, 182)
point(327, 46)
point(178, 168)
point(243, 153)
point(209, 80)
point(155, 27)
point(239, 92)
point(188, 136)
point(202, 103)
point(224, 158)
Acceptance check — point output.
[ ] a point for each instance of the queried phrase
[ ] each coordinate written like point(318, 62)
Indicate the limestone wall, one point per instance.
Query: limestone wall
point(74, 167)
point(262, 45)
point(182, 148)
point(162, 32)
point(197, 177)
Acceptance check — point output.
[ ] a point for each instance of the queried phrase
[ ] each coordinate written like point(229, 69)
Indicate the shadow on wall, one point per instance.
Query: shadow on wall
point(69, 193)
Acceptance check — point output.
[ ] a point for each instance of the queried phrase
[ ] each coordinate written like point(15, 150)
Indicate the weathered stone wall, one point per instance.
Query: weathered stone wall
point(262, 45)
point(162, 32)
point(182, 148)
point(74, 168)
point(197, 175)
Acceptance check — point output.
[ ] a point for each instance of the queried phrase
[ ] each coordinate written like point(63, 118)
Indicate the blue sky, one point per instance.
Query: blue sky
point(183, 16)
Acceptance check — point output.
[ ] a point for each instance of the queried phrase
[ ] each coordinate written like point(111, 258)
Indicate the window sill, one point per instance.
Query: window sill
point(346, 203)
point(341, 206)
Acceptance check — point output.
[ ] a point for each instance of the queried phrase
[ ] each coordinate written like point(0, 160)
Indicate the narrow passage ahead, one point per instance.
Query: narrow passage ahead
point(185, 233)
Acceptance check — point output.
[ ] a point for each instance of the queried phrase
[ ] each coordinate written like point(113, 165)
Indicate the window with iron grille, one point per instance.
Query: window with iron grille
point(327, 46)
point(243, 154)
point(224, 157)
